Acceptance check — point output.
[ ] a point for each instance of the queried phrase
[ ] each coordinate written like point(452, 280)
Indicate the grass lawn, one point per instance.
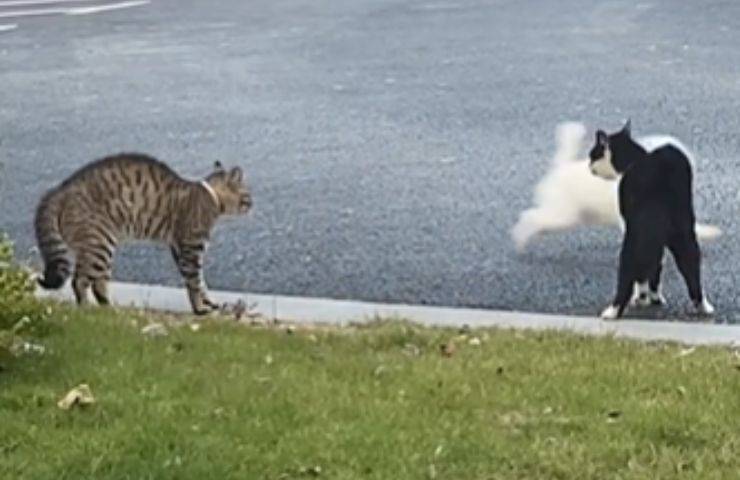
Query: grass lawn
point(378, 402)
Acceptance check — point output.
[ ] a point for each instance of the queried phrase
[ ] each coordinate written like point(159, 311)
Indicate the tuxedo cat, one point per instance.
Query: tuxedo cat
point(656, 205)
point(568, 195)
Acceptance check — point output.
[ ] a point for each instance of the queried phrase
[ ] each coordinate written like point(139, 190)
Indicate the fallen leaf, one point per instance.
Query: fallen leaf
point(239, 308)
point(314, 471)
point(81, 396)
point(685, 352)
point(23, 347)
point(411, 350)
point(21, 324)
point(242, 309)
point(613, 415)
point(438, 451)
point(447, 349)
point(155, 330)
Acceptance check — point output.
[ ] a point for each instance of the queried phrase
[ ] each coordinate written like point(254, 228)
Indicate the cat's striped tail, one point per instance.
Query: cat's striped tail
point(54, 250)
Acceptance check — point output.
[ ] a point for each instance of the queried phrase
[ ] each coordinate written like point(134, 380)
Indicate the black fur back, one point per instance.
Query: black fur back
point(655, 201)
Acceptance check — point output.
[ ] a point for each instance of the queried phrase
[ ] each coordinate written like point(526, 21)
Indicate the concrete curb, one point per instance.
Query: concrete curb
point(342, 312)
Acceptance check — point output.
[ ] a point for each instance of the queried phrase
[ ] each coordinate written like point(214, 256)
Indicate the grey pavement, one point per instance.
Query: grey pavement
point(343, 312)
point(390, 143)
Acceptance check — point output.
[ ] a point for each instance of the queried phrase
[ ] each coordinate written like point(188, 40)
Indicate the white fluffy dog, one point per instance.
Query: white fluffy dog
point(570, 195)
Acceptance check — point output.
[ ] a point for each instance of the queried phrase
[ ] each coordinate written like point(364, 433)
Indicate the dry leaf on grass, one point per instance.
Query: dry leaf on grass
point(685, 352)
point(411, 350)
point(241, 309)
point(19, 347)
point(155, 330)
point(81, 396)
point(613, 415)
point(447, 349)
point(314, 471)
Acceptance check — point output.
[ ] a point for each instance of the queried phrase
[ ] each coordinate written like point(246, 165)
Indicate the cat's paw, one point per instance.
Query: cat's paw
point(200, 311)
point(705, 308)
point(641, 300)
point(206, 306)
point(657, 299)
point(610, 313)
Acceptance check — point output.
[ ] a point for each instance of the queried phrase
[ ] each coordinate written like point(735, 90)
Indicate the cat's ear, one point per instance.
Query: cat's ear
point(602, 138)
point(218, 167)
point(627, 129)
point(236, 175)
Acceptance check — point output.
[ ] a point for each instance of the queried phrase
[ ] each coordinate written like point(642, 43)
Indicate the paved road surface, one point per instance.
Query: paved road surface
point(390, 143)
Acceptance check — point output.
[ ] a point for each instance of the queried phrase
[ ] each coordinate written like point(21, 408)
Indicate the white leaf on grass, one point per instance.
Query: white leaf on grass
point(685, 352)
point(155, 330)
point(81, 396)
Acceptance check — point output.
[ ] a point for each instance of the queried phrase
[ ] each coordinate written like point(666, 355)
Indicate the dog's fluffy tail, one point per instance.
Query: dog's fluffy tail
point(569, 139)
point(707, 232)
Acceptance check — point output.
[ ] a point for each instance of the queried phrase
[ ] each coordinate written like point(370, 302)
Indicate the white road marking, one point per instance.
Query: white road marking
point(24, 3)
point(105, 8)
point(32, 13)
point(343, 312)
point(37, 12)
point(9, 27)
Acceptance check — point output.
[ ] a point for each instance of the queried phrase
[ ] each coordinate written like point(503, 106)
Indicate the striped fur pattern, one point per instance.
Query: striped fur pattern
point(132, 197)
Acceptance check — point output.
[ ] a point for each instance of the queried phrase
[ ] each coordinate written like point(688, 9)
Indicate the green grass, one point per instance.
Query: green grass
point(256, 403)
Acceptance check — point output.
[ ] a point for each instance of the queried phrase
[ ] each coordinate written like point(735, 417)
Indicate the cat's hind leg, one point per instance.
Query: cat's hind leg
point(535, 221)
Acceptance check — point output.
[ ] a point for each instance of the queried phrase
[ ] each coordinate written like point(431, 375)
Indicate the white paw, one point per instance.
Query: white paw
point(641, 300)
point(641, 295)
point(705, 308)
point(610, 312)
point(657, 298)
point(644, 297)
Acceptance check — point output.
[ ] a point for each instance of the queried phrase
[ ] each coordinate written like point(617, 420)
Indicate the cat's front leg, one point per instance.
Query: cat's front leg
point(189, 259)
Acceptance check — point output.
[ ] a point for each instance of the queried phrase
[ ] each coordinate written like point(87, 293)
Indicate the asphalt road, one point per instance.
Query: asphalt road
point(390, 144)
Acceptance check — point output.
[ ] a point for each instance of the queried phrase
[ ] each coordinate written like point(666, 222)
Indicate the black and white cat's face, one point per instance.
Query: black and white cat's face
point(601, 157)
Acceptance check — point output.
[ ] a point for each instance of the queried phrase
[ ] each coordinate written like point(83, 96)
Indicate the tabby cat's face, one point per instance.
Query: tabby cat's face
point(231, 189)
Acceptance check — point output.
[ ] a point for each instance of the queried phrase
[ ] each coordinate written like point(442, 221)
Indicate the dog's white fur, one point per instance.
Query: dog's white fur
point(570, 195)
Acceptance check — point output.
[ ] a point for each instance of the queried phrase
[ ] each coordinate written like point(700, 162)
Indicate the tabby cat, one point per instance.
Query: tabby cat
point(132, 197)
